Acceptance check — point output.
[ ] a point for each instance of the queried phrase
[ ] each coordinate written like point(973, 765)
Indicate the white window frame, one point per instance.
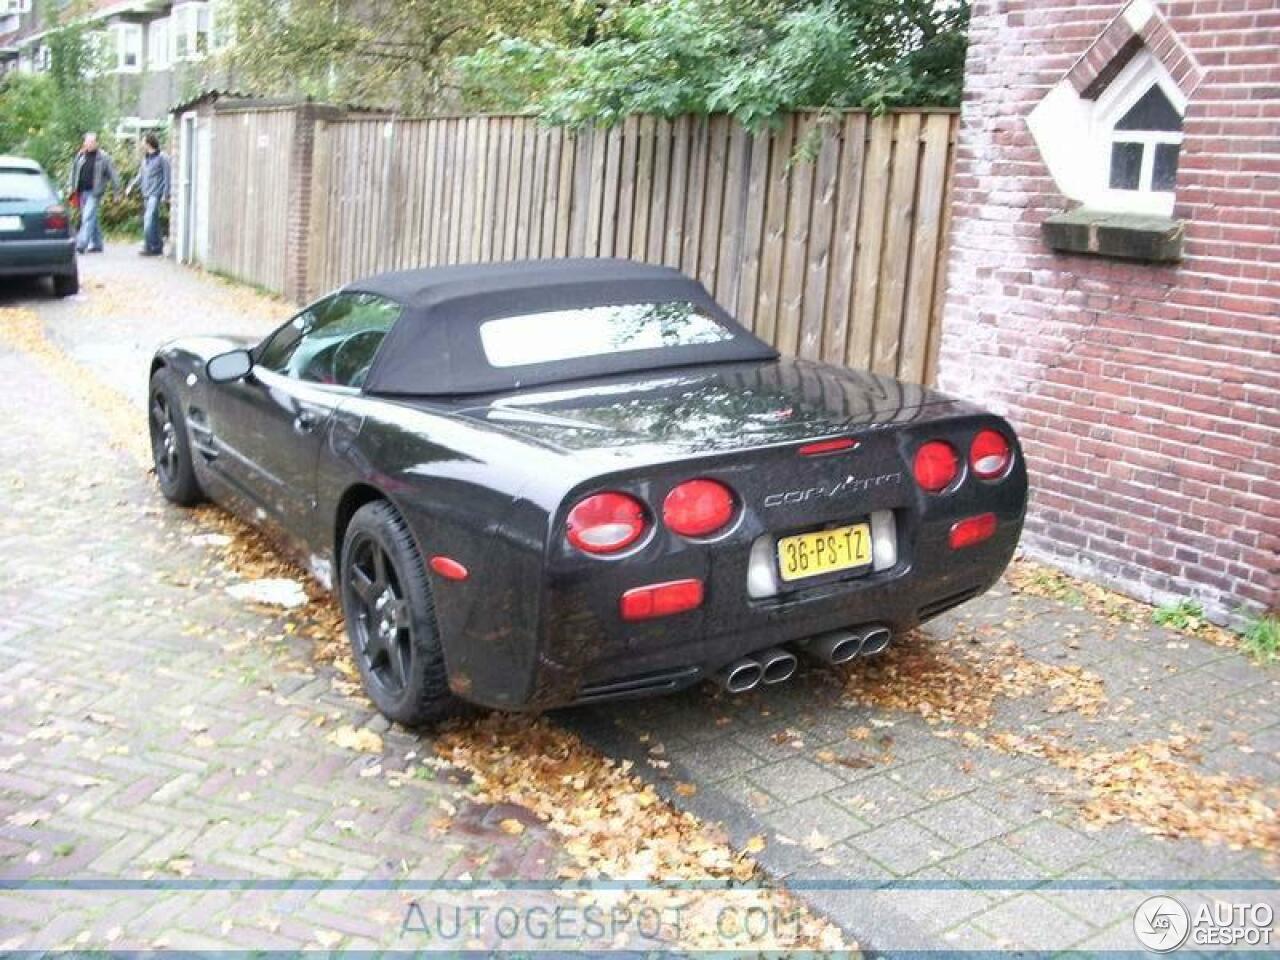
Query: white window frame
point(121, 34)
point(188, 20)
point(222, 27)
point(158, 44)
point(1128, 87)
point(14, 7)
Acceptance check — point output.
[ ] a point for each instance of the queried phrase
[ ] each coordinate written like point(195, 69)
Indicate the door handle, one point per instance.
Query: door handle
point(305, 422)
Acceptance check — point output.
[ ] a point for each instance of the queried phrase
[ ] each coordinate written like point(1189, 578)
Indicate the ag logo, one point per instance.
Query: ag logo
point(1161, 924)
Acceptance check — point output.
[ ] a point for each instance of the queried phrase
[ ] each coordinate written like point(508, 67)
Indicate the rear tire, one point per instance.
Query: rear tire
point(391, 621)
point(170, 444)
point(67, 284)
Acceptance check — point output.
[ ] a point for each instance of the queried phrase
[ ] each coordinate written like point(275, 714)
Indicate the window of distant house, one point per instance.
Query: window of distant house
point(221, 25)
point(189, 26)
point(158, 44)
point(14, 6)
point(1138, 139)
point(44, 58)
point(128, 47)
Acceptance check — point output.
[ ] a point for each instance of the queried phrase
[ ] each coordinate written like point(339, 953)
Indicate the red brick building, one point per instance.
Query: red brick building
point(1135, 341)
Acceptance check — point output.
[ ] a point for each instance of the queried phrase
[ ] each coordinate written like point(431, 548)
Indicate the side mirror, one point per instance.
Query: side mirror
point(230, 366)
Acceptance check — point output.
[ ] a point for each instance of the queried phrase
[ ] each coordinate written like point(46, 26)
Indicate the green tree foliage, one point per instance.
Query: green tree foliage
point(45, 115)
point(386, 53)
point(750, 58)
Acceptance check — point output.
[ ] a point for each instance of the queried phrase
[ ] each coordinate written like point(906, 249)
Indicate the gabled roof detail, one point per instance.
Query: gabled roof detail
point(1138, 25)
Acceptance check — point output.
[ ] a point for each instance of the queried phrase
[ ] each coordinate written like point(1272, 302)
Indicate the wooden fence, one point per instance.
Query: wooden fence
point(249, 189)
point(826, 235)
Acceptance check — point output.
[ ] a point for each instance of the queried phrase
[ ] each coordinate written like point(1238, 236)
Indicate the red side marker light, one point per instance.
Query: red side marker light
point(820, 447)
point(661, 599)
point(971, 530)
point(449, 568)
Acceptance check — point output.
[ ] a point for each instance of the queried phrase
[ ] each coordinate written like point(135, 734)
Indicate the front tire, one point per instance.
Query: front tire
point(391, 622)
point(170, 445)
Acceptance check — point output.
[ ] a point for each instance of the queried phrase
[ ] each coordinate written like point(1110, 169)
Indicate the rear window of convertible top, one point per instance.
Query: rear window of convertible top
point(557, 335)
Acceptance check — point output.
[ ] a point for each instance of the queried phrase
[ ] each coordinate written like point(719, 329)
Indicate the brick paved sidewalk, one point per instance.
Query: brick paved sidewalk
point(146, 729)
point(153, 730)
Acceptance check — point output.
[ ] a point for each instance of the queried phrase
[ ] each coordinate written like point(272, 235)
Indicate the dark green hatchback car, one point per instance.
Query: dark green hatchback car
point(35, 229)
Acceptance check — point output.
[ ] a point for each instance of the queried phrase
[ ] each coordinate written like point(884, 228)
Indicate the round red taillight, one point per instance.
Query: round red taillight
point(990, 454)
point(698, 508)
point(606, 523)
point(936, 466)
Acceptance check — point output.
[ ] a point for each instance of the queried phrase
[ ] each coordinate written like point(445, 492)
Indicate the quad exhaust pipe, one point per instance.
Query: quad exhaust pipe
point(841, 646)
point(776, 665)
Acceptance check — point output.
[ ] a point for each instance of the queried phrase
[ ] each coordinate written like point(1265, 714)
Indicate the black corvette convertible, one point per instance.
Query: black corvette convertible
point(555, 482)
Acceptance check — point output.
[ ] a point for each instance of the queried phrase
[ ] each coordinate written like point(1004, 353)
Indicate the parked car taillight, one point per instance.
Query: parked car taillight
point(55, 218)
point(606, 522)
point(990, 454)
point(936, 466)
point(698, 508)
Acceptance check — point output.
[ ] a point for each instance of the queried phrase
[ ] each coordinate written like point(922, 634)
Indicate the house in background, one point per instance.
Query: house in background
point(1114, 284)
point(151, 53)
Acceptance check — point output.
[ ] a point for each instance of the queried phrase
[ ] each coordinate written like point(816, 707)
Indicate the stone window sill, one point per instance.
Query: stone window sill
point(1127, 236)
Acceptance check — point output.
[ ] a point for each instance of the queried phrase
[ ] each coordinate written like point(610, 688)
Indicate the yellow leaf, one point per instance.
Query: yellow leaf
point(755, 844)
point(362, 740)
point(686, 789)
point(513, 827)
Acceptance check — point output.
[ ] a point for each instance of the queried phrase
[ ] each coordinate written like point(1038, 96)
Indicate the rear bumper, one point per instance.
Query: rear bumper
point(682, 651)
point(25, 257)
point(588, 653)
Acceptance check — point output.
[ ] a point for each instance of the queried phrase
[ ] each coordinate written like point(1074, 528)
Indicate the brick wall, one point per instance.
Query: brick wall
point(1147, 397)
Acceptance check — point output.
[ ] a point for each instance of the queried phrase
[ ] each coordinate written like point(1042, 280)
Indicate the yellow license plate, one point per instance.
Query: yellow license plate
point(824, 551)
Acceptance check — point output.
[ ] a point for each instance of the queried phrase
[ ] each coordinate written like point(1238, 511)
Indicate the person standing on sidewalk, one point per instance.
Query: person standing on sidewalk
point(92, 175)
point(153, 181)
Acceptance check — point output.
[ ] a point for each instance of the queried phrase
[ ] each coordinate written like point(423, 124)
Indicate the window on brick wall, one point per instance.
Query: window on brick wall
point(1137, 139)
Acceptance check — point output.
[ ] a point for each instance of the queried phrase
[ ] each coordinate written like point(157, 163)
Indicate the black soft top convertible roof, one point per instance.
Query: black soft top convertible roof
point(434, 349)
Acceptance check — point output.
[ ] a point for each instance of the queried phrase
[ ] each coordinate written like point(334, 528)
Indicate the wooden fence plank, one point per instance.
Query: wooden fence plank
point(730, 227)
point(897, 245)
point(656, 244)
point(564, 193)
point(639, 244)
point(774, 232)
point(713, 191)
point(744, 304)
point(926, 239)
point(621, 232)
point(940, 275)
point(794, 254)
point(695, 196)
point(866, 284)
point(681, 135)
point(845, 240)
point(821, 218)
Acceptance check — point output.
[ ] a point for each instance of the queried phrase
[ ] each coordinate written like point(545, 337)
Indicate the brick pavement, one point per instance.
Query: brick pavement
point(169, 740)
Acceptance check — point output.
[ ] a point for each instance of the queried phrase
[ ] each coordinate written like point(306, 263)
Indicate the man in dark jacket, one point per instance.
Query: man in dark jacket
point(92, 175)
point(153, 181)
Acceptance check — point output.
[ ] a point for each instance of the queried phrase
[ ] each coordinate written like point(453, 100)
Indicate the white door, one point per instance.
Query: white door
point(184, 226)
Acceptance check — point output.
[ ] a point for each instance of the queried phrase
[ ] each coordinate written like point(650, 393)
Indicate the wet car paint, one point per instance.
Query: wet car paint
point(487, 481)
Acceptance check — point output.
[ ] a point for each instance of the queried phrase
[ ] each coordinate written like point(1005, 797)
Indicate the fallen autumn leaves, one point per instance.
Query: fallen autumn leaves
point(614, 826)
